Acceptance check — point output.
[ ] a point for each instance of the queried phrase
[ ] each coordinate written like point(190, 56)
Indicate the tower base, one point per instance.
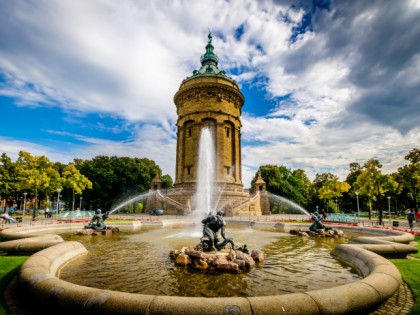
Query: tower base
point(233, 199)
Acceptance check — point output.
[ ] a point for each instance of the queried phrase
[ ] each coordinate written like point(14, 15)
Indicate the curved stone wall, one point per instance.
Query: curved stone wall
point(39, 283)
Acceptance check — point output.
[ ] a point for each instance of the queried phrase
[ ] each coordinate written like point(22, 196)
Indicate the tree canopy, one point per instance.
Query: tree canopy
point(101, 182)
point(106, 181)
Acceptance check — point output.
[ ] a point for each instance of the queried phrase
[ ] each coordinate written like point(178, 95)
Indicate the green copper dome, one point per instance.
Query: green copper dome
point(209, 58)
point(209, 63)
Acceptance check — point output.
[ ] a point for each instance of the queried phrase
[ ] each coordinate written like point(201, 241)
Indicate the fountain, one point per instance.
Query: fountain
point(211, 102)
point(211, 217)
point(292, 206)
point(205, 201)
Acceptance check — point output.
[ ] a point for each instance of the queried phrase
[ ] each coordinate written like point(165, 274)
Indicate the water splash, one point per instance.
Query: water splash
point(205, 202)
point(131, 200)
point(287, 205)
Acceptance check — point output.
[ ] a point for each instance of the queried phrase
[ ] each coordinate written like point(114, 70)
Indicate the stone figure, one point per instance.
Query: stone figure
point(317, 225)
point(97, 221)
point(212, 224)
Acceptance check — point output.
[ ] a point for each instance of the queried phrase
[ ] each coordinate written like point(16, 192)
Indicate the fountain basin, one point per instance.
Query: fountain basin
point(39, 283)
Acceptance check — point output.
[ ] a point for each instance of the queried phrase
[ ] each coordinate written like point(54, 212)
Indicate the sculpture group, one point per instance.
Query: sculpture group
point(216, 253)
point(317, 228)
point(97, 222)
point(212, 224)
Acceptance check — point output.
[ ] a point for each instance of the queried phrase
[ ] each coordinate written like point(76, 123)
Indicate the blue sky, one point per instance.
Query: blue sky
point(326, 83)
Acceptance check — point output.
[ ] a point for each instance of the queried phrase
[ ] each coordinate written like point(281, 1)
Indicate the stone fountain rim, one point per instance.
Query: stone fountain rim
point(37, 278)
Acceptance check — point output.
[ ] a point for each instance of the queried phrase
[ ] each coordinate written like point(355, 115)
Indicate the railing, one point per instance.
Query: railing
point(75, 215)
point(341, 217)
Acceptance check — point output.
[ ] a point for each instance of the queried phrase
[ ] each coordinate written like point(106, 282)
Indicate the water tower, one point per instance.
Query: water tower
point(209, 99)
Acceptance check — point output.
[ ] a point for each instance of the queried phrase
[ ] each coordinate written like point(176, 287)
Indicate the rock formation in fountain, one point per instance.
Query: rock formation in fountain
point(232, 260)
point(317, 228)
point(225, 255)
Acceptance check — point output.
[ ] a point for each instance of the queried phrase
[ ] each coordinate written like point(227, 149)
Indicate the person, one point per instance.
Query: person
point(47, 213)
point(8, 218)
point(97, 221)
point(418, 216)
point(410, 218)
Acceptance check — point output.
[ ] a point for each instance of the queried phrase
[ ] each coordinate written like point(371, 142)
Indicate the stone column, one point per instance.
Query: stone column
point(220, 149)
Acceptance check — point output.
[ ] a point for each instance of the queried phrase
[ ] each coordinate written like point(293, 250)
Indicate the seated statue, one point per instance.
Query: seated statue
point(317, 225)
point(97, 221)
point(211, 226)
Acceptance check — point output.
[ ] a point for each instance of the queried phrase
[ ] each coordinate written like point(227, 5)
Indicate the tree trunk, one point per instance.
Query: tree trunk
point(35, 214)
point(72, 207)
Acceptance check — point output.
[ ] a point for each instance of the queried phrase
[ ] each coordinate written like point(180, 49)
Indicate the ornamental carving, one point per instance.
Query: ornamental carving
point(209, 92)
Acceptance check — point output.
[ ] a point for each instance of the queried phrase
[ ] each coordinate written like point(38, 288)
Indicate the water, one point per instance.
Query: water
point(140, 263)
point(286, 205)
point(131, 200)
point(205, 201)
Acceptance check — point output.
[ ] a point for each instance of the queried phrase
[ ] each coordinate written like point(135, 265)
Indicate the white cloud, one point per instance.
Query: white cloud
point(352, 83)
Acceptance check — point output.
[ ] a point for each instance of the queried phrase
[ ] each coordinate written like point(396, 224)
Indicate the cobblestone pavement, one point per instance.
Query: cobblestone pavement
point(398, 304)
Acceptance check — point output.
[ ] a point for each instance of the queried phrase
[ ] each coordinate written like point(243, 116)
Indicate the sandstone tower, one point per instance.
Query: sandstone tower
point(209, 99)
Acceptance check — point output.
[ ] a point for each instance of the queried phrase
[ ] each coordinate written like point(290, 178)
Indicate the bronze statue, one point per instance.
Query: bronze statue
point(211, 227)
point(317, 225)
point(97, 221)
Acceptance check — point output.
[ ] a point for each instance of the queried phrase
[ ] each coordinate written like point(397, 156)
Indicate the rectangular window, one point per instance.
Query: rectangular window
point(228, 170)
point(189, 131)
point(227, 132)
point(189, 170)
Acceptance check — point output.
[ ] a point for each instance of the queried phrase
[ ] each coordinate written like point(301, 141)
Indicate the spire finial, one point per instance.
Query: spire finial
point(209, 57)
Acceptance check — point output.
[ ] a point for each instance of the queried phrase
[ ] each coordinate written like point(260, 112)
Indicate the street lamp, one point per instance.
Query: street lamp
point(389, 207)
point(336, 205)
point(80, 204)
point(58, 202)
point(24, 204)
point(358, 212)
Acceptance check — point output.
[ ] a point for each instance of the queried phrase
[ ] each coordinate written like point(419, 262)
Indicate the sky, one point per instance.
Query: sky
point(326, 83)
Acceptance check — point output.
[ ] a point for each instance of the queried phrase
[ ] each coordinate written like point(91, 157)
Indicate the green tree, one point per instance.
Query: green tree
point(117, 179)
point(166, 181)
point(36, 174)
point(409, 178)
point(349, 199)
point(373, 185)
point(330, 188)
point(281, 181)
point(8, 179)
point(74, 180)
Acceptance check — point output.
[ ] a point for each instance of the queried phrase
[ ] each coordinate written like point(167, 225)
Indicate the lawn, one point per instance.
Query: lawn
point(9, 266)
point(410, 270)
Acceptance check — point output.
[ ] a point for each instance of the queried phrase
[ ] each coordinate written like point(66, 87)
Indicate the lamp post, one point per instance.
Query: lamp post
point(24, 204)
point(80, 204)
point(336, 205)
point(58, 202)
point(389, 207)
point(358, 212)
